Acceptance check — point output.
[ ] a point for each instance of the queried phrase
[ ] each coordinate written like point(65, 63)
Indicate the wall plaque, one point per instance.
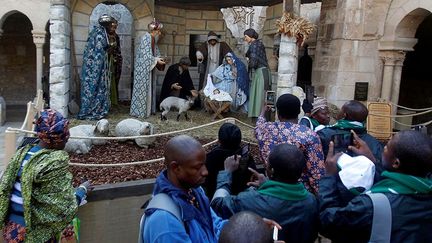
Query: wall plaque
point(361, 91)
point(379, 123)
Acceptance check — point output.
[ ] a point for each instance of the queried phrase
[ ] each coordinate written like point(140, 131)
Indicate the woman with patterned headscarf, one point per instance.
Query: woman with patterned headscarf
point(37, 200)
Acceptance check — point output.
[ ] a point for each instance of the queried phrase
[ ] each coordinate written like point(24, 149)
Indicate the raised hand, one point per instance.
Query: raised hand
point(257, 178)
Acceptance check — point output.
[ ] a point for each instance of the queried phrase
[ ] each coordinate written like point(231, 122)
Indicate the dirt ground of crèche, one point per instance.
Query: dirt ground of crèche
point(115, 152)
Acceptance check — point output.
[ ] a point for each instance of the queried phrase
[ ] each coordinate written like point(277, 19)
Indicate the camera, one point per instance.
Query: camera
point(341, 141)
point(270, 98)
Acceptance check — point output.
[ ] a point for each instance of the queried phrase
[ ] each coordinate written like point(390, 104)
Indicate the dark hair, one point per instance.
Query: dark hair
point(229, 136)
point(247, 227)
point(251, 33)
point(414, 151)
point(355, 111)
point(287, 162)
point(185, 61)
point(288, 106)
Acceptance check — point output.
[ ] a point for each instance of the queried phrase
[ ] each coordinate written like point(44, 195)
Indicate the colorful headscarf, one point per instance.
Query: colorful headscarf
point(51, 127)
point(319, 103)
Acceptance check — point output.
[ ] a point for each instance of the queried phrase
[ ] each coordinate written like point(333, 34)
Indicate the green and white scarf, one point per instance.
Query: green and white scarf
point(348, 125)
point(398, 183)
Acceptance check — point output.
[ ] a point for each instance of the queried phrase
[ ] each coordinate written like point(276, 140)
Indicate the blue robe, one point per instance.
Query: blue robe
point(95, 80)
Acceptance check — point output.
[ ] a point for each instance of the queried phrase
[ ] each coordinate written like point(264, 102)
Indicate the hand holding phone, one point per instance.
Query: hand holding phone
point(342, 141)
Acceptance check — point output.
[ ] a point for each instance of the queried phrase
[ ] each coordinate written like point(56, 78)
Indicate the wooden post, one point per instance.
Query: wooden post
point(10, 146)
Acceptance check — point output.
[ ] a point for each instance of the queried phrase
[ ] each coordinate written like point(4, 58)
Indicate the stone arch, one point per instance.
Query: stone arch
point(6, 15)
point(402, 21)
point(401, 24)
point(18, 52)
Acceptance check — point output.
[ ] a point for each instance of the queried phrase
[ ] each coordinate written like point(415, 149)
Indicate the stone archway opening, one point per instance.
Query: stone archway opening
point(124, 31)
point(18, 64)
point(416, 79)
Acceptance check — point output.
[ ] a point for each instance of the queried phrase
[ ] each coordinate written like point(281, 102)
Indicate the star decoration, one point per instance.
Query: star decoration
point(242, 14)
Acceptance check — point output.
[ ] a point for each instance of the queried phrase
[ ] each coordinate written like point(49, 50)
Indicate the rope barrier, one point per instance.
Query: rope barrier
point(395, 116)
point(411, 109)
point(413, 125)
point(145, 136)
point(130, 163)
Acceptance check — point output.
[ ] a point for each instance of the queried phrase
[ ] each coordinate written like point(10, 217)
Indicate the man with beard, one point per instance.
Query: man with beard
point(180, 182)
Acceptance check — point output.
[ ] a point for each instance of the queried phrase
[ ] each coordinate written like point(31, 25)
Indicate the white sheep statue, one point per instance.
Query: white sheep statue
point(83, 146)
point(180, 104)
point(133, 127)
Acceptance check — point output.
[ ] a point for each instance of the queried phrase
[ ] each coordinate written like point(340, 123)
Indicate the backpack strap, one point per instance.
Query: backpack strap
point(382, 218)
point(164, 202)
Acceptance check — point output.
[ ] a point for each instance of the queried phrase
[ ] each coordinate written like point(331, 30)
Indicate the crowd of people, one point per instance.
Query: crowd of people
point(369, 193)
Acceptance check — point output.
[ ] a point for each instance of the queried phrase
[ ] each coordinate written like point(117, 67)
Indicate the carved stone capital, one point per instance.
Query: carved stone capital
point(392, 58)
point(38, 38)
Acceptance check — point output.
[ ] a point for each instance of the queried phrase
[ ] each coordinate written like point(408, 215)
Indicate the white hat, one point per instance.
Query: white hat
point(356, 171)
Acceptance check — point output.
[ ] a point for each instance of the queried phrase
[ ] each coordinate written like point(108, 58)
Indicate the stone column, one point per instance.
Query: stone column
point(287, 67)
point(397, 75)
point(60, 29)
point(288, 54)
point(386, 87)
point(39, 41)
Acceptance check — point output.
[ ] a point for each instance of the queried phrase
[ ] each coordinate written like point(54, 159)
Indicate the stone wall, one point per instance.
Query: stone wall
point(346, 51)
point(17, 61)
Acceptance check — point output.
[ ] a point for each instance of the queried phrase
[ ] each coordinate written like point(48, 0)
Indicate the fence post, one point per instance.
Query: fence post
point(10, 146)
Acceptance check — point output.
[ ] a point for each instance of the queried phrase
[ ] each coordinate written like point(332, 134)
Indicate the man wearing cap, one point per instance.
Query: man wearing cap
point(211, 54)
point(319, 115)
point(143, 101)
point(177, 81)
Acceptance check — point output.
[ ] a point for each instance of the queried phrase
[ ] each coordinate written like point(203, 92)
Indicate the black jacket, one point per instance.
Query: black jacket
point(352, 222)
point(215, 163)
point(375, 146)
point(299, 219)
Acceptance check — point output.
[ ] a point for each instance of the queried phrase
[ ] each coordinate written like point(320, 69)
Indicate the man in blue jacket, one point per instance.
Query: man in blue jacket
point(186, 171)
point(282, 198)
point(406, 183)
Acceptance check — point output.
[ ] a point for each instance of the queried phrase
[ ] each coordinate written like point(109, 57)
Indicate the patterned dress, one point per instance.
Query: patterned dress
point(142, 93)
point(260, 77)
point(95, 77)
point(270, 134)
point(49, 200)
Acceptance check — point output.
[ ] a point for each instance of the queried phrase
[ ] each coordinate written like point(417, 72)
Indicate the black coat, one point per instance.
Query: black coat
point(375, 146)
point(173, 76)
point(299, 219)
point(215, 163)
point(352, 222)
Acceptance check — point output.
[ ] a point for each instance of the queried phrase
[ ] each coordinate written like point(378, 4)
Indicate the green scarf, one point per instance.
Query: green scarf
point(314, 122)
point(46, 187)
point(398, 183)
point(348, 125)
point(292, 192)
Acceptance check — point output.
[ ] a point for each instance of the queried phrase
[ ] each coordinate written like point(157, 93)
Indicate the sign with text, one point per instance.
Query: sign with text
point(379, 123)
point(361, 91)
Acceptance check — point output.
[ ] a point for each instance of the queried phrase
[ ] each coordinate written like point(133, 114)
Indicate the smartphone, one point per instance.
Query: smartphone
point(244, 153)
point(270, 98)
point(341, 142)
point(275, 233)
